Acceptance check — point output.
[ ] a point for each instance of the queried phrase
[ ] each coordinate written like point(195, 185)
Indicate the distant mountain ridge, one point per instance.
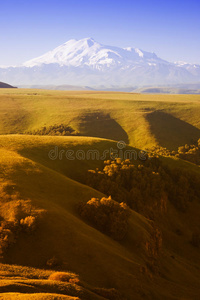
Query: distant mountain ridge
point(166, 90)
point(88, 63)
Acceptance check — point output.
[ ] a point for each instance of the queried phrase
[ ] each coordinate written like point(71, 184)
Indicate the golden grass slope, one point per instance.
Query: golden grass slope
point(133, 118)
point(62, 234)
point(29, 174)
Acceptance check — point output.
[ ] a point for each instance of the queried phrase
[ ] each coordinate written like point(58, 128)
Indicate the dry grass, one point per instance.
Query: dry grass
point(24, 110)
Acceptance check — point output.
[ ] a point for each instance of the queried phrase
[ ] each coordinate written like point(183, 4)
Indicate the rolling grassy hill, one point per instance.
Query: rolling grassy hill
point(62, 233)
point(28, 174)
point(120, 116)
point(36, 181)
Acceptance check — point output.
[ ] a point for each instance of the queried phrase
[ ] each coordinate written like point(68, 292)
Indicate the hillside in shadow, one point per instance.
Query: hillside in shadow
point(98, 124)
point(171, 132)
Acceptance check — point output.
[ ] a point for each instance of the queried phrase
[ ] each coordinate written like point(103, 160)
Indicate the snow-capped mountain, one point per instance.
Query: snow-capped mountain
point(88, 52)
point(86, 62)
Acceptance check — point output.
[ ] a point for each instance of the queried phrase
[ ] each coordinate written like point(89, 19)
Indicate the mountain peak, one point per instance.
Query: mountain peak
point(88, 52)
point(92, 63)
point(84, 40)
point(89, 41)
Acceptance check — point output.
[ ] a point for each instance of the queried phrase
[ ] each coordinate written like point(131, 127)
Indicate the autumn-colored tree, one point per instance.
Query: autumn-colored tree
point(106, 215)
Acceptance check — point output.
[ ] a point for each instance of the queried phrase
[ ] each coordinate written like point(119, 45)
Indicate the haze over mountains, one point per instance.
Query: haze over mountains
point(86, 62)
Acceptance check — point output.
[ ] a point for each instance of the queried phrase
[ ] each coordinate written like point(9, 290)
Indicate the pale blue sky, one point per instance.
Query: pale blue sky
point(30, 28)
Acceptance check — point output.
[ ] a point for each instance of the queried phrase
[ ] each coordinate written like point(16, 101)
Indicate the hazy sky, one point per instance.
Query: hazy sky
point(30, 28)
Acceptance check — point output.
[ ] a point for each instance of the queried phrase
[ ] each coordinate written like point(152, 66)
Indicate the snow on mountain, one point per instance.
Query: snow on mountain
point(180, 63)
point(87, 62)
point(87, 52)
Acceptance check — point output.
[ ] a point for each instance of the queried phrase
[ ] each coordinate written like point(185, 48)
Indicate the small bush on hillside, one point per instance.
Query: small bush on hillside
point(10, 230)
point(29, 223)
point(15, 210)
point(106, 215)
point(64, 276)
point(18, 217)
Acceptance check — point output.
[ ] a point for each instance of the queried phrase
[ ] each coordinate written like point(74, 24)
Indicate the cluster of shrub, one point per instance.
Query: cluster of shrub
point(16, 217)
point(190, 153)
point(158, 150)
point(146, 187)
point(62, 130)
point(107, 215)
point(10, 230)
